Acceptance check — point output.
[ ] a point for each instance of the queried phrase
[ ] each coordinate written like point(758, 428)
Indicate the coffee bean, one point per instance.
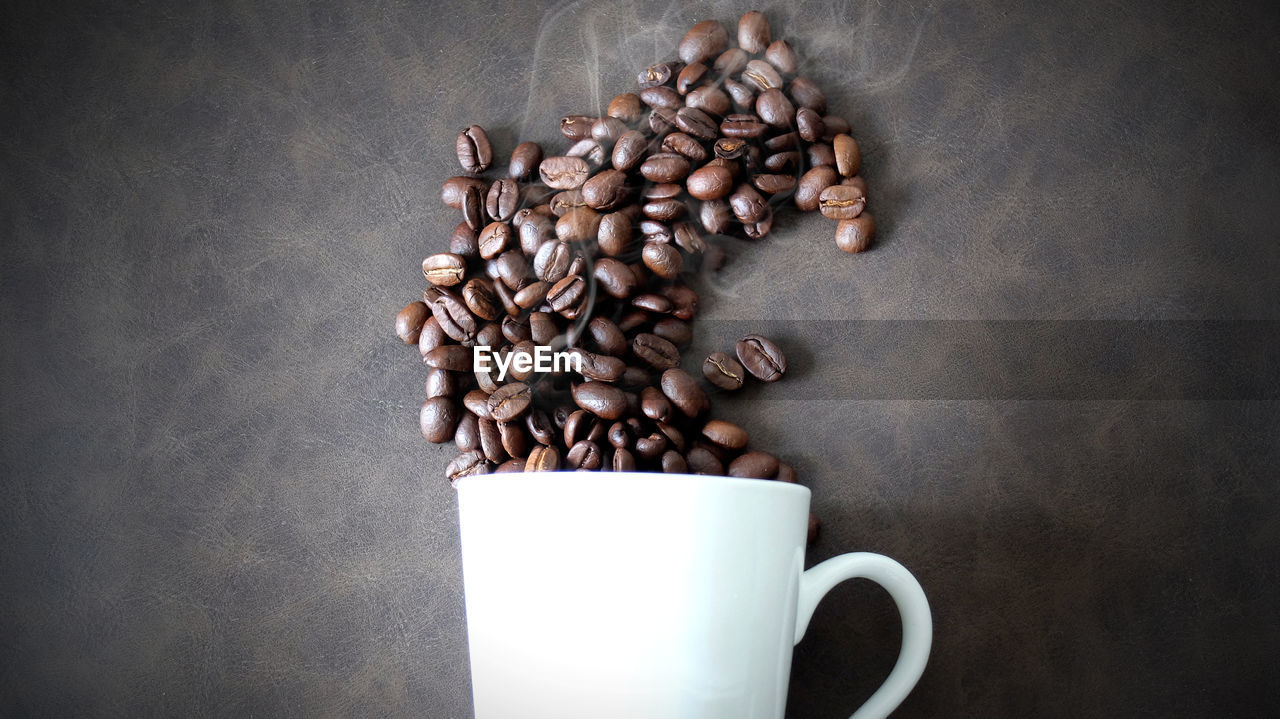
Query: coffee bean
point(534, 231)
point(563, 202)
point(614, 233)
point(478, 296)
point(588, 150)
point(576, 127)
point(723, 371)
point(665, 167)
point(820, 153)
point(848, 156)
point(563, 172)
point(584, 454)
point(762, 358)
point(615, 278)
point(662, 120)
point(809, 123)
point(696, 123)
point(451, 193)
point(688, 238)
point(753, 32)
point(474, 152)
point(509, 401)
point(661, 97)
point(773, 184)
point(454, 358)
point(725, 434)
point(729, 148)
point(855, 235)
point(710, 183)
point(467, 464)
point(742, 95)
point(673, 435)
point(452, 315)
point(659, 74)
point(606, 190)
point(409, 322)
point(491, 441)
point(578, 225)
point(761, 76)
point(503, 199)
point(600, 367)
point(673, 330)
point(626, 107)
point(730, 62)
point(655, 351)
point(495, 239)
point(782, 161)
point(775, 109)
point(754, 465)
point(430, 336)
point(673, 462)
point(782, 56)
point(511, 465)
point(623, 461)
point(842, 202)
point(701, 461)
point(683, 144)
point(682, 389)
point(467, 436)
point(650, 302)
point(652, 446)
point(742, 125)
point(488, 383)
point(684, 300)
point(473, 212)
point(703, 42)
point(709, 99)
point(532, 294)
point(663, 260)
point(438, 419)
point(601, 399)
point(630, 150)
point(747, 204)
point(542, 458)
point(441, 383)
point(786, 473)
point(524, 160)
point(444, 269)
point(566, 293)
point(836, 125)
point(512, 269)
point(715, 216)
point(607, 130)
point(811, 185)
point(464, 241)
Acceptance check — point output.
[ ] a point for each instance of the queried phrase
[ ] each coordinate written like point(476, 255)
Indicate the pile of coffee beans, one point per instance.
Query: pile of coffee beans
point(586, 252)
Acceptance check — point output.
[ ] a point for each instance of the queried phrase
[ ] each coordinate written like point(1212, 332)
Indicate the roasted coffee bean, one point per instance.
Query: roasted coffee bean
point(836, 125)
point(474, 152)
point(842, 202)
point(696, 123)
point(542, 458)
point(701, 461)
point(683, 144)
point(607, 130)
point(542, 329)
point(654, 404)
point(662, 120)
point(534, 231)
point(589, 150)
point(630, 150)
point(710, 182)
point(742, 126)
point(430, 336)
point(755, 465)
point(715, 216)
point(742, 95)
point(614, 233)
point(451, 193)
point(723, 371)
point(566, 293)
point(487, 380)
point(512, 269)
point(725, 434)
point(564, 202)
point(655, 351)
point(606, 190)
point(578, 426)
point(532, 294)
point(661, 97)
point(467, 436)
point(782, 161)
point(615, 278)
point(492, 333)
point(807, 94)
point(759, 228)
point(747, 204)
point(515, 441)
point(452, 314)
point(730, 62)
point(563, 172)
point(444, 269)
point(551, 263)
point(709, 99)
point(663, 260)
point(578, 225)
point(775, 109)
point(655, 231)
point(467, 464)
point(454, 358)
point(600, 367)
point(495, 238)
point(473, 212)
point(623, 461)
point(576, 127)
point(650, 302)
point(688, 238)
point(478, 296)
point(601, 399)
point(619, 435)
point(661, 191)
point(674, 436)
point(509, 401)
point(673, 330)
point(753, 32)
point(782, 56)
point(441, 383)
point(811, 185)
point(659, 74)
point(626, 107)
point(761, 76)
point(606, 336)
point(633, 321)
point(464, 241)
point(729, 148)
point(507, 297)
point(786, 473)
point(652, 446)
point(665, 167)
point(525, 160)
point(503, 199)
point(584, 454)
point(773, 184)
point(511, 465)
point(438, 419)
point(820, 153)
point(540, 426)
point(855, 235)
point(491, 441)
point(673, 462)
point(409, 322)
point(848, 156)
point(664, 210)
point(703, 42)
point(809, 123)
point(762, 358)
point(684, 300)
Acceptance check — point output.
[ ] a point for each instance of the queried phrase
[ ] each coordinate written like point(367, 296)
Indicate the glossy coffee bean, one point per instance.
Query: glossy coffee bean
point(563, 172)
point(614, 233)
point(551, 263)
point(842, 202)
point(452, 315)
point(703, 42)
point(747, 204)
point(438, 419)
point(578, 225)
point(658, 74)
point(464, 241)
point(475, 154)
point(409, 322)
point(473, 212)
point(479, 297)
point(663, 260)
point(683, 144)
point(495, 238)
point(614, 277)
point(710, 182)
point(709, 99)
point(576, 127)
point(514, 464)
point(451, 192)
point(567, 293)
point(467, 436)
point(676, 331)
point(607, 130)
point(809, 124)
point(782, 56)
point(848, 156)
point(601, 399)
point(525, 160)
point(805, 93)
point(754, 465)
point(491, 441)
point(723, 371)
point(742, 126)
point(584, 455)
point(682, 389)
point(702, 461)
point(673, 462)
point(665, 167)
point(696, 123)
point(503, 199)
point(811, 185)
point(855, 235)
point(655, 351)
point(630, 150)
point(742, 95)
point(626, 107)
point(690, 77)
point(467, 464)
point(762, 358)
point(606, 190)
point(760, 76)
point(821, 153)
point(542, 458)
point(753, 32)
point(661, 97)
point(775, 109)
point(430, 336)
point(773, 184)
point(623, 461)
point(509, 401)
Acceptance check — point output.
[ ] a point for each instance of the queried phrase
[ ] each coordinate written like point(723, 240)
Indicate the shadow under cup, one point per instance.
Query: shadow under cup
point(631, 595)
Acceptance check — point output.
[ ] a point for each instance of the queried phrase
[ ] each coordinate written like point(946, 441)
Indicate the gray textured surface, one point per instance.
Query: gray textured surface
point(215, 498)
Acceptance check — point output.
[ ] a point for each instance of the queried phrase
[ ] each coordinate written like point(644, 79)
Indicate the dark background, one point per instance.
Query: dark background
point(216, 501)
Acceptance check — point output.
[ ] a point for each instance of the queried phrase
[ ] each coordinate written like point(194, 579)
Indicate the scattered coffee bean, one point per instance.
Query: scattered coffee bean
point(762, 358)
point(855, 235)
point(723, 371)
point(474, 152)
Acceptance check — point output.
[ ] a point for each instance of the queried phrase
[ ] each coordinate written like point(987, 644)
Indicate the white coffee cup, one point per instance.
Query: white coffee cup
point(621, 595)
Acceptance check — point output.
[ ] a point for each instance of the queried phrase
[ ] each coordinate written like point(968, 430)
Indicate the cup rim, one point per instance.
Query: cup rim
point(561, 476)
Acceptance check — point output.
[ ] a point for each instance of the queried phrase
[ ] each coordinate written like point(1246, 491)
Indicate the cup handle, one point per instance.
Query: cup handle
point(917, 622)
